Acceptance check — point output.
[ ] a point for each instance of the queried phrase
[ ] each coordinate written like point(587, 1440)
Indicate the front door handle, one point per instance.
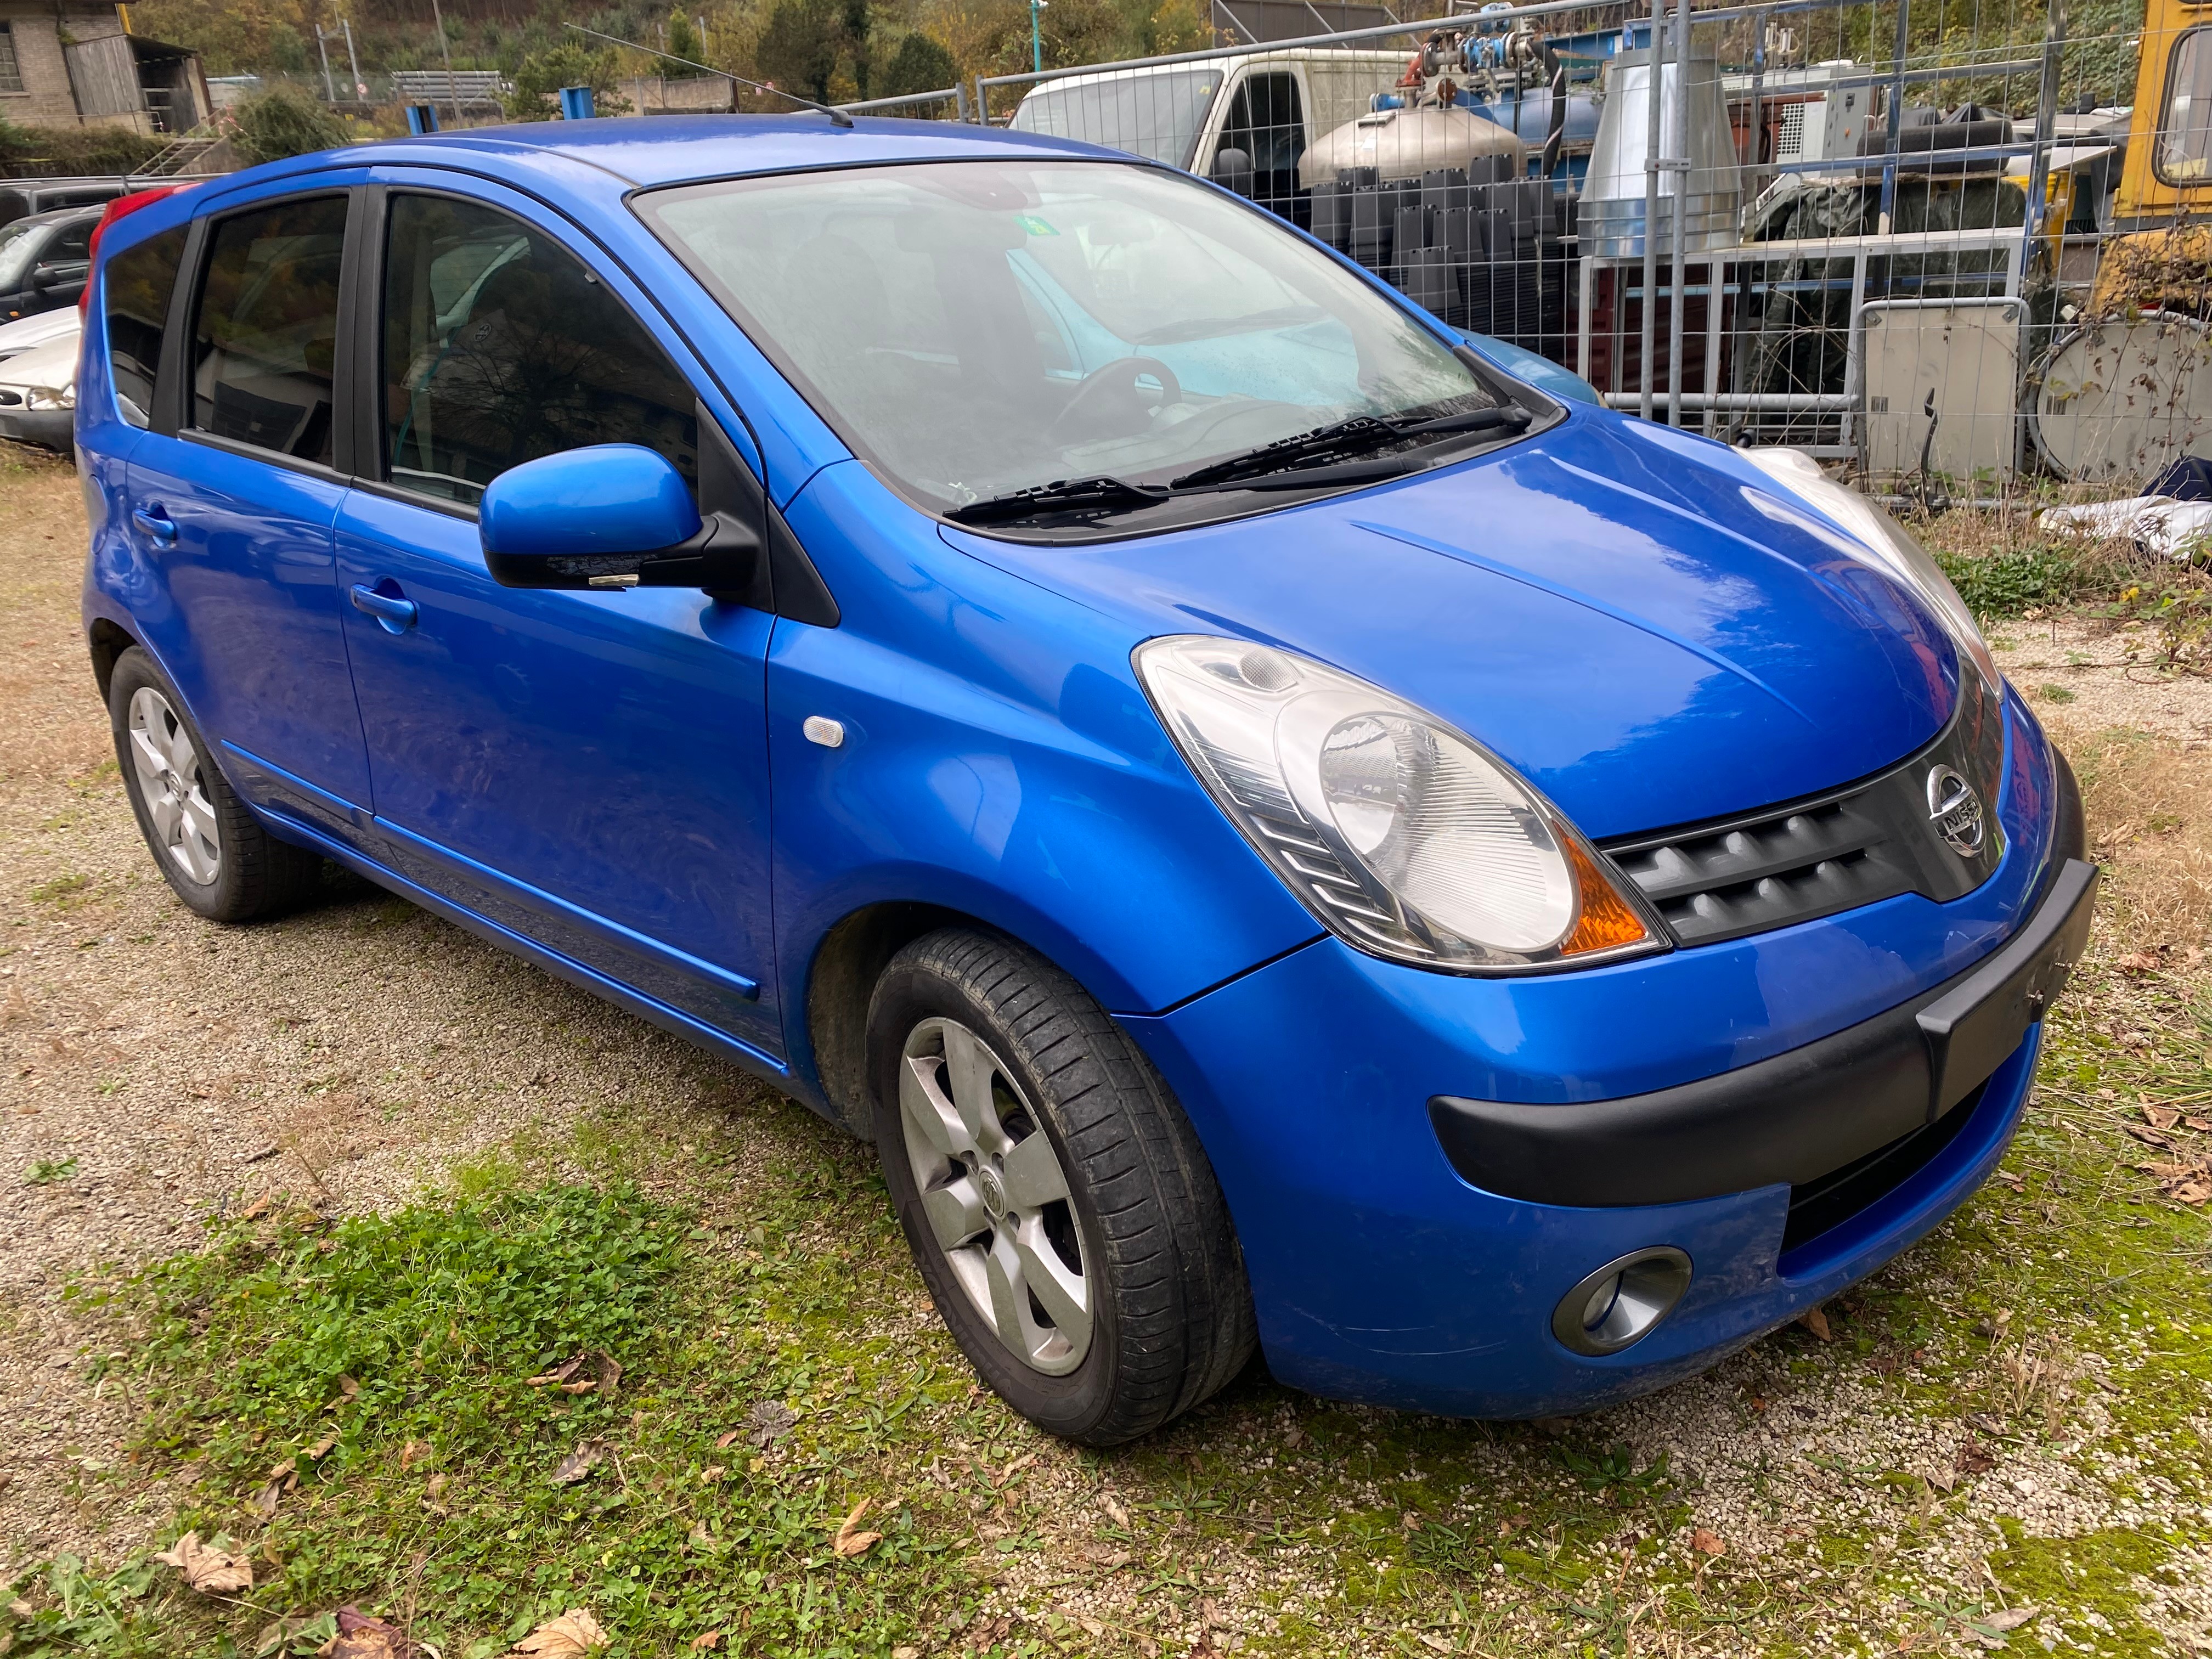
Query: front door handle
point(155, 522)
point(393, 614)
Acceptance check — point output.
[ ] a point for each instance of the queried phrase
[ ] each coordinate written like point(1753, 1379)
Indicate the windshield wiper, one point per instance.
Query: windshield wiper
point(1347, 437)
point(1065, 495)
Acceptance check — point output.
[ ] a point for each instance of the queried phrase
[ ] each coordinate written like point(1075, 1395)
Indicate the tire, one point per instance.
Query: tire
point(214, 853)
point(1140, 1244)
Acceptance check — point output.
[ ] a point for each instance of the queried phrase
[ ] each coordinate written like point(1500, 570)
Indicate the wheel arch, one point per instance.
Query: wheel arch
point(108, 641)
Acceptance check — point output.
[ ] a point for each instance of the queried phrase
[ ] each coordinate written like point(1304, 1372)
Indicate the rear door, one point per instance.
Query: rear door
point(587, 769)
point(231, 494)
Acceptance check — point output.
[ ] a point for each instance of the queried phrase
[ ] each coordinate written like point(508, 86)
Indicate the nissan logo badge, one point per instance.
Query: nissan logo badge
point(1955, 811)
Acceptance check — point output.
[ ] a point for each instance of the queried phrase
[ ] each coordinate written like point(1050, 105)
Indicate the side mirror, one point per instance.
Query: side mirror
point(609, 516)
point(1232, 170)
point(59, 275)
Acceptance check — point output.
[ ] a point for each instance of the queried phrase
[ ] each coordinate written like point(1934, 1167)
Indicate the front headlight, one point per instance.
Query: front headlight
point(1402, 835)
point(1879, 534)
point(38, 397)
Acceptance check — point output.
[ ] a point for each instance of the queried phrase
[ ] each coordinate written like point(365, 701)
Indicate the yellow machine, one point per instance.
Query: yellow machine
point(2127, 390)
point(2160, 258)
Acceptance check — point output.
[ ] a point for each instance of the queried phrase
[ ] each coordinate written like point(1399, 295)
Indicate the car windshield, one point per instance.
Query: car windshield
point(1156, 116)
point(19, 246)
point(976, 328)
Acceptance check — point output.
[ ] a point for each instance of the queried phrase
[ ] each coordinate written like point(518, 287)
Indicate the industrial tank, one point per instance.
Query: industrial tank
point(1611, 218)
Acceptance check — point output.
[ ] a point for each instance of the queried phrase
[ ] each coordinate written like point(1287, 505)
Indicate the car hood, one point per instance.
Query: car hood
point(46, 327)
point(1648, 628)
point(47, 368)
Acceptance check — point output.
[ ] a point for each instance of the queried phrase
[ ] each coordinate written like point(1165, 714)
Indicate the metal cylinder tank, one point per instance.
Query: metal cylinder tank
point(1709, 197)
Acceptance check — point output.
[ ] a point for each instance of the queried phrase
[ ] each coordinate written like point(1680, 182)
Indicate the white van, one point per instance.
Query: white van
point(1269, 105)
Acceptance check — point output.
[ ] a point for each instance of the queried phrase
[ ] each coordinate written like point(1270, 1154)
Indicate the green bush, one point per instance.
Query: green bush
point(34, 152)
point(281, 122)
point(919, 64)
point(538, 83)
point(1999, 585)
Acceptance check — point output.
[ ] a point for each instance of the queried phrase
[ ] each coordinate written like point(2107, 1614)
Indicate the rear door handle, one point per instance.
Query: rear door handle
point(393, 614)
point(156, 523)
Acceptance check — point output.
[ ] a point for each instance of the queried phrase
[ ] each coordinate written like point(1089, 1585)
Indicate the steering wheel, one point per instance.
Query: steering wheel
point(1114, 386)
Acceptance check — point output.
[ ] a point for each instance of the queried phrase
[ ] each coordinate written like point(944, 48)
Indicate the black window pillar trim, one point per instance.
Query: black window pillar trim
point(357, 445)
point(173, 374)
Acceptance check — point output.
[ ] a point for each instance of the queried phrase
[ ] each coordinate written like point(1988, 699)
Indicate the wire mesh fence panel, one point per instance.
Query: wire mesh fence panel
point(1964, 250)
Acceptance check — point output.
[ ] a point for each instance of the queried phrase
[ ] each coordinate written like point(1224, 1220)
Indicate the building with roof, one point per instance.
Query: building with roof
point(81, 65)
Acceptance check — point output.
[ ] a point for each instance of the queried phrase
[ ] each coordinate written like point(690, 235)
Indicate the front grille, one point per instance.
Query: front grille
point(1804, 858)
point(1828, 1201)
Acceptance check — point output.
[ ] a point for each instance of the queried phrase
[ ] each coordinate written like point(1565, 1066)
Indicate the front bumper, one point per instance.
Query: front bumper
point(1382, 1273)
point(49, 429)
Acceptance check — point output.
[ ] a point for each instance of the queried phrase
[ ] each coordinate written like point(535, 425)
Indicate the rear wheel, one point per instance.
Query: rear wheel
point(213, 851)
point(1059, 1205)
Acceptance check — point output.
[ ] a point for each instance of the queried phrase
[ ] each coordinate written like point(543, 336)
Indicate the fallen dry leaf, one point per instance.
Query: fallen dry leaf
point(256, 1209)
point(2149, 1137)
point(770, 1420)
point(1973, 1458)
point(2161, 1117)
point(363, 1637)
point(725, 1442)
point(849, 1542)
point(1942, 1479)
point(1707, 1543)
point(574, 1635)
point(1114, 1509)
point(2011, 1619)
point(986, 1634)
point(579, 1463)
point(2140, 962)
point(1815, 1321)
point(412, 1454)
point(207, 1568)
point(711, 1474)
point(707, 1641)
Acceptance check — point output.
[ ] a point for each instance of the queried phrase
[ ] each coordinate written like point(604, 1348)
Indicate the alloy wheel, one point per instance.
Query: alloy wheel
point(995, 1195)
point(171, 784)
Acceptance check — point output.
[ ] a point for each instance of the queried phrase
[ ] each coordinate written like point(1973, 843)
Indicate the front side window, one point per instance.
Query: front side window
point(2184, 130)
point(976, 329)
point(500, 346)
point(264, 339)
point(1264, 122)
point(19, 246)
point(1155, 116)
point(137, 286)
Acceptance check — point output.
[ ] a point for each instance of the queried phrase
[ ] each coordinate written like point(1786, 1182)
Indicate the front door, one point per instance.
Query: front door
point(587, 769)
point(232, 506)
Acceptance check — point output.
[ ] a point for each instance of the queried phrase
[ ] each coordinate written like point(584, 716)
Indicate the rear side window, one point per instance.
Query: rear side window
point(139, 282)
point(265, 340)
point(500, 346)
point(2185, 135)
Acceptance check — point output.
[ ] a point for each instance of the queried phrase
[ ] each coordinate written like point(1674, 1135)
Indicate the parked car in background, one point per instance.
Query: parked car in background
point(44, 260)
point(1280, 831)
point(38, 392)
point(41, 328)
point(21, 198)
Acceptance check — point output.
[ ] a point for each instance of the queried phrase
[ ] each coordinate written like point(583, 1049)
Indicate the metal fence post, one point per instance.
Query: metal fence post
point(2046, 113)
point(1678, 163)
point(1896, 122)
point(1647, 322)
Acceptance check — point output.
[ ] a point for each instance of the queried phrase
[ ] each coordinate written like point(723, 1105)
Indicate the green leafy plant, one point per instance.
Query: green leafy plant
point(1997, 586)
point(538, 83)
point(281, 122)
point(47, 1170)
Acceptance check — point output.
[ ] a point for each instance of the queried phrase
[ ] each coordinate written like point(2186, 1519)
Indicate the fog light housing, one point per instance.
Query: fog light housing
point(1623, 1302)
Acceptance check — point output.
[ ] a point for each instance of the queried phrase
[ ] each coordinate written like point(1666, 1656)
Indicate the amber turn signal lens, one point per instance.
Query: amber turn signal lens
point(1606, 921)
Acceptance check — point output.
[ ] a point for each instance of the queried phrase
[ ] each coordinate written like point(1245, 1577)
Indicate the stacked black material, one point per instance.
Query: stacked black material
point(1478, 246)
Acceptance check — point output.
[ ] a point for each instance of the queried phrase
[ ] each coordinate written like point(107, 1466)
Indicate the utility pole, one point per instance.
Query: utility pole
point(360, 86)
point(1036, 36)
point(453, 91)
point(329, 91)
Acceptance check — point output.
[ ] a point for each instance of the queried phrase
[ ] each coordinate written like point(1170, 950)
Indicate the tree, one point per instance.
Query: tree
point(684, 41)
point(919, 64)
point(538, 83)
point(801, 46)
point(281, 122)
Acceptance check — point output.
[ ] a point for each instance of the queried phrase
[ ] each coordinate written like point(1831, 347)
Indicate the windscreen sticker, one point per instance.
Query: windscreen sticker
point(1035, 226)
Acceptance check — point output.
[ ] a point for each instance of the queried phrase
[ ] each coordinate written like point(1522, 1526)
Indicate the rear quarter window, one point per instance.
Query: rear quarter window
point(138, 286)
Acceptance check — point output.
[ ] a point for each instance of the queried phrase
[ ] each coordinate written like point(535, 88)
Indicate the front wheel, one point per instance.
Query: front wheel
point(1058, 1203)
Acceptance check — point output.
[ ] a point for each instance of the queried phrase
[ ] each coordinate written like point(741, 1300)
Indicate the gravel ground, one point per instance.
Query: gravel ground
point(155, 1070)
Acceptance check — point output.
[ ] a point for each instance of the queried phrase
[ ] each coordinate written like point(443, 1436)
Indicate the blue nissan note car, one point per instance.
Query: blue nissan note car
point(1282, 834)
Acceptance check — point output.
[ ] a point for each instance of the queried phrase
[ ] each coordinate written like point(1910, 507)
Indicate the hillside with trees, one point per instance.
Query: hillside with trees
point(830, 50)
